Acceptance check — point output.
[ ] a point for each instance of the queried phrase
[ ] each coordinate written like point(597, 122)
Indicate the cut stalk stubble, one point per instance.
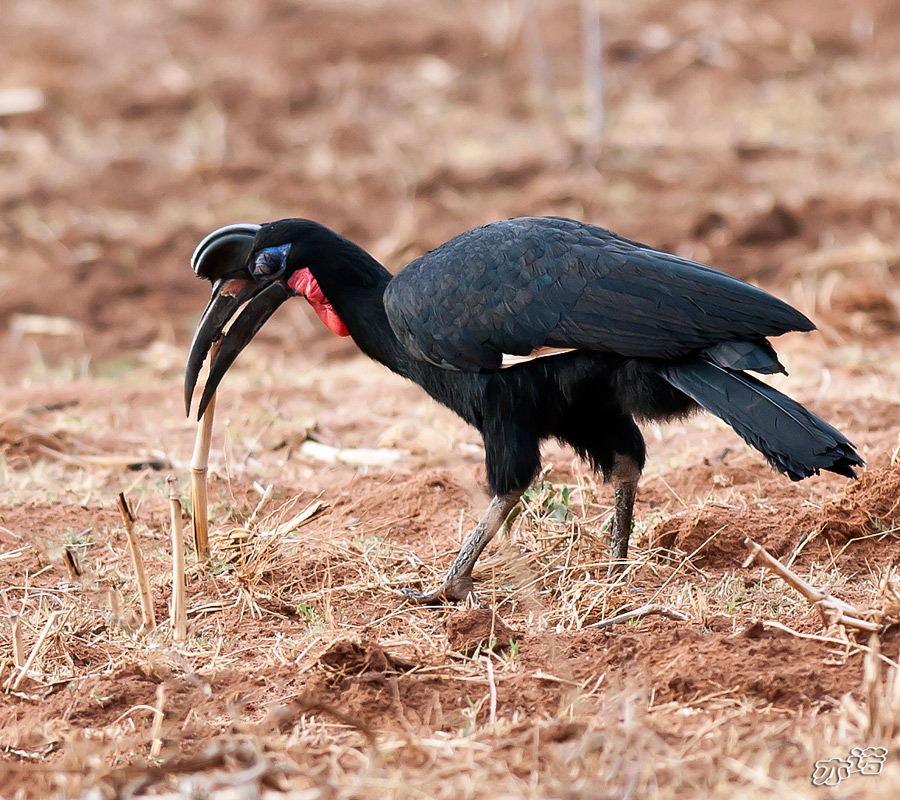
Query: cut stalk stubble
point(199, 472)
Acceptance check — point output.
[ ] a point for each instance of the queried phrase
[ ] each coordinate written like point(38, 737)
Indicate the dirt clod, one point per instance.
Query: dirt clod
point(475, 629)
point(349, 657)
point(870, 505)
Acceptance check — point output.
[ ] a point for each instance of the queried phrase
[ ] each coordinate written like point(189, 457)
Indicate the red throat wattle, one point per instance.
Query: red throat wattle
point(304, 283)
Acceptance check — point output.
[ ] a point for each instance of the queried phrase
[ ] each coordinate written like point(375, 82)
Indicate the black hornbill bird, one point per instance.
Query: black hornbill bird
point(532, 328)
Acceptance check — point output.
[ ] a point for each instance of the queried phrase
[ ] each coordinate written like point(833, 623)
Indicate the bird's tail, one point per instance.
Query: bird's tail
point(794, 440)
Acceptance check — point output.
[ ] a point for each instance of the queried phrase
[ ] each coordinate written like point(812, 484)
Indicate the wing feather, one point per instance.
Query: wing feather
point(516, 286)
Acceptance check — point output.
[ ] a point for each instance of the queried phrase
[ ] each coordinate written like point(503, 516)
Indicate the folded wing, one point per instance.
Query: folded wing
point(529, 283)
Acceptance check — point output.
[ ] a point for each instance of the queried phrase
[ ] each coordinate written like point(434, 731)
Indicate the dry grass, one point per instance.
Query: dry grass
point(287, 583)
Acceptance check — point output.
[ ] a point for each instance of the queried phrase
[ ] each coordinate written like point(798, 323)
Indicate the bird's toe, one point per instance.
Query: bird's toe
point(456, 591)
point(423, 598)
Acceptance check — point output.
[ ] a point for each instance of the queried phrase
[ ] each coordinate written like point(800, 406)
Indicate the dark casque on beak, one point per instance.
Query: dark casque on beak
point(224, 252)
point(222, 259)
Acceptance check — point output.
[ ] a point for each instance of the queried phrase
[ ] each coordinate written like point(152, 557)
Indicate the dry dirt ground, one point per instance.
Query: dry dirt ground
point(757, 135)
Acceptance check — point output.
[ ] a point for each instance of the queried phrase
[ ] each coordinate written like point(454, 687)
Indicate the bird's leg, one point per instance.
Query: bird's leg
point(458, 584)
point(625, 474)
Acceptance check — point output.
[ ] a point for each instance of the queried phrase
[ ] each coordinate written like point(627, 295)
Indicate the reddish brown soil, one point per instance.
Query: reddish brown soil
point(757, 136)
point(479, 629)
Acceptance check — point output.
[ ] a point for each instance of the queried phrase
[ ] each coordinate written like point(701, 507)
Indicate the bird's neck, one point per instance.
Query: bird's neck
point(366, 319)
point(357, 295)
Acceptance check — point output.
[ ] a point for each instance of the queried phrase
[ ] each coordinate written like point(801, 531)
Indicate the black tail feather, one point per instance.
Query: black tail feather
point(794, 440)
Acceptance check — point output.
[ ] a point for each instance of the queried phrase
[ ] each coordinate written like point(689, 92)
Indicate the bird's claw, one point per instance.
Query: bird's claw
point(434, 598)
point(458, 591)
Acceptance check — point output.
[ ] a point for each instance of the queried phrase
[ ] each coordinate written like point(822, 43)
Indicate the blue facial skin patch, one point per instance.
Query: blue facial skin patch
point(271, 262)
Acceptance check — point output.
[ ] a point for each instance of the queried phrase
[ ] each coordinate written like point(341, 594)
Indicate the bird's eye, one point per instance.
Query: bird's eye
point(271, 262)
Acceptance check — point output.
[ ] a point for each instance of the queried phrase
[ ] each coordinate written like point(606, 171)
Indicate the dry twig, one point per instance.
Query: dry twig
point(830, 608)
point(156, 728)
point(650, 608)
point(199, 471)
point(51, 621)
point(17, 644)
point(179, 601)
point(15, 623)
point(492, 686)
point(148, 617)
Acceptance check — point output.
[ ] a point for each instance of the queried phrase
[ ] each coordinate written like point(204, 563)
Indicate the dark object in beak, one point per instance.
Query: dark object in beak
point(227, 298)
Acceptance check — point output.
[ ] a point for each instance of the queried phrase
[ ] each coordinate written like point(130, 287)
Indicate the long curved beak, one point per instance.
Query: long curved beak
point(228, 295)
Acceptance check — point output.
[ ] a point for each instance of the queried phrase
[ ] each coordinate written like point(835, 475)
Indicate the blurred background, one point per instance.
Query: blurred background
point(757, 135)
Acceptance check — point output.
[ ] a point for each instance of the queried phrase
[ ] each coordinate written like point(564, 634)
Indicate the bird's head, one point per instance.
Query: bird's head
point(262, 266)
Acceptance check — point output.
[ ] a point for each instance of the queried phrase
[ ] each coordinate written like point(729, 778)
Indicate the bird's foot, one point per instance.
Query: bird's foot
point(453, 590)
point(615, 568)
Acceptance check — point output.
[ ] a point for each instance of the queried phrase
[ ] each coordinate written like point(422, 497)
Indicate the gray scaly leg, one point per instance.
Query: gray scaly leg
point(458, 584)
point(625, 474)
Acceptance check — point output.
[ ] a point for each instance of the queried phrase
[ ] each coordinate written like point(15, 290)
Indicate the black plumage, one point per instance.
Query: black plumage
point(644, 335)
point(513, 286)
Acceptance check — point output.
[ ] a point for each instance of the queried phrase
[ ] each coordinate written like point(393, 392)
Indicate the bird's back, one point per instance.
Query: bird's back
point(515, 286)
